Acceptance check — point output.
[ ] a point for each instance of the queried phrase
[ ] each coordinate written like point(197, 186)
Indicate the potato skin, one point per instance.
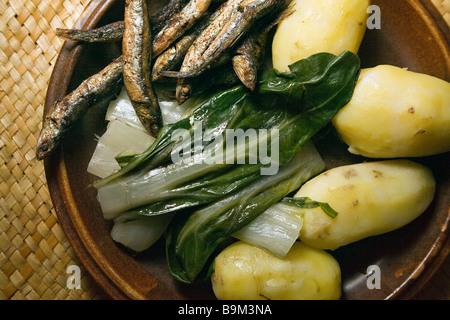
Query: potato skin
point(319, 26)
point(396, 113)
point(246, 272)
point(371, 198)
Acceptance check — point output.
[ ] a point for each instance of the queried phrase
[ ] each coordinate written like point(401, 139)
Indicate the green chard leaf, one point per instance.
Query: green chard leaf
point(335, 77)
point(307, 203)
point(211, 201)
point(190, 248)
point(321, 79)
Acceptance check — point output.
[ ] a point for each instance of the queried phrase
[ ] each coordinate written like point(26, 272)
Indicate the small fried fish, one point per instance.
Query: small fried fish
point(250, 54)
point(136, 49)
point(74, 105)
point(248, 13)
point(222, 15)
point(179, 24)
point(159, 19)
point(173, 56)
point(109, 32)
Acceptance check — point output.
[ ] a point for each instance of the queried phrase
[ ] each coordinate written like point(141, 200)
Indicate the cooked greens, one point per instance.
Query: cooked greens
point(189, 248)
point(213, 189)
point(277, 228)
point(307, 203)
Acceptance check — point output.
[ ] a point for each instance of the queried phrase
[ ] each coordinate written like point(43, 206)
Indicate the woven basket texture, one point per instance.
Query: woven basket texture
point(34, 251)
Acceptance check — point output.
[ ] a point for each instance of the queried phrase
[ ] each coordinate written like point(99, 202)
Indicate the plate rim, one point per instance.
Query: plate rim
point(58, 85)
point(54, 168)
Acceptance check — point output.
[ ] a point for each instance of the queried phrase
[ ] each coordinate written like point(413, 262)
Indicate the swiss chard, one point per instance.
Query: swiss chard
point(307, 203)
point(193, 241)
point(190, 247)
point(213, 199)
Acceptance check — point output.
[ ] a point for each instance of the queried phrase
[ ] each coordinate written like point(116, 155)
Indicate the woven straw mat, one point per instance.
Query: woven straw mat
point(34, 251)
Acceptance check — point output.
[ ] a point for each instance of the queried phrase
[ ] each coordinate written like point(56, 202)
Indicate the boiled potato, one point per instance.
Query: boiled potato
point(246, 272)
point(371, 198)
point(319, 26)
point(396, 113)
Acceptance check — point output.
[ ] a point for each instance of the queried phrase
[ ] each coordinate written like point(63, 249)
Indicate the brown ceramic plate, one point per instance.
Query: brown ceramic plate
point(412, 35)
